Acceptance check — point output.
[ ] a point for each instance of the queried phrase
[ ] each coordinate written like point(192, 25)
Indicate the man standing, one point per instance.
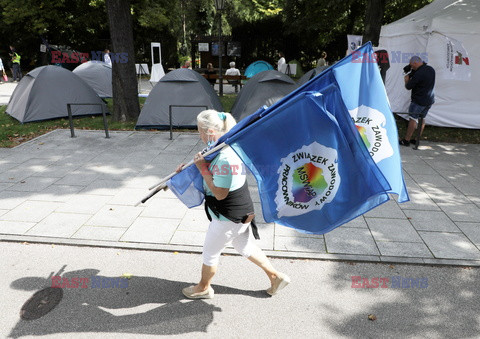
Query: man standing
point(16, 70)
point(421, 81)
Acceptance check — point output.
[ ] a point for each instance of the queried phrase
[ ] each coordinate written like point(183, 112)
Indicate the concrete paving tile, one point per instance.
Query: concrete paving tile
point(448, 195)
point(6, 165)
point(471, 230)
point(4, 186)
point(31, 211)
point(33, 184)
point(143, 180)
point(151, 230)
point(60, 225)
point(467, 212)
point(425, 181)
point(115, 216)
point(412, 167)
point(468, 188)
point(389, 209)
point(190, 238)
point(299, 244)
point(444, 165)
point(384, 229)
point(419, 200)
point(165, 208)
point(11, 199)
point(194, 220)
point(285, 231)
point(257, 207)
point(351, 241)
point(84, 204)
point(55, 171)
point(103, 187)
point(78, 177)
point(404, 249)
point(99, 233)
point(475, 199)
point(171, 159)
point(431, 221)
point(2, 212)
point(358, 222)
point(450, 245)
point(58, 193)
point(13, 175)
point(129, 196)
point(266, 232)
point(15, 227)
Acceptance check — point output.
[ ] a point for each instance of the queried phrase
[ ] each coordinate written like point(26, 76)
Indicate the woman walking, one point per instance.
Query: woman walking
point(229, 207)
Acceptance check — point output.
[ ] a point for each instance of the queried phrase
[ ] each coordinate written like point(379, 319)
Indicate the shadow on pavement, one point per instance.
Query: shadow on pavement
point(147, 305)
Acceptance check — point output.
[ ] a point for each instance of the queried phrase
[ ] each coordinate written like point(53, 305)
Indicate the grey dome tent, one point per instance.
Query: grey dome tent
point(264, 88)
point(311, 74)
point(43, 94)
point(98, 75)
point(185, 93)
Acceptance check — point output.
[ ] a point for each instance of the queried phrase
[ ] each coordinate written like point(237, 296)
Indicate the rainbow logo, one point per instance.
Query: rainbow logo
point(363, 134)
point(308, 182)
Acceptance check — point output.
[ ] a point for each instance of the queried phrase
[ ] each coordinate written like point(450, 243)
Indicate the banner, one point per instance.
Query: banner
point(456, 61)
point(354, 42)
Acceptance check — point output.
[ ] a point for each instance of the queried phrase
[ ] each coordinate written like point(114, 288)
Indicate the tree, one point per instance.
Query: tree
point(373, 20)
point(125, 90)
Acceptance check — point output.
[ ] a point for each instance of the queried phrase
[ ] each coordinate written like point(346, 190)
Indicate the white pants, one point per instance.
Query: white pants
point(223, 233)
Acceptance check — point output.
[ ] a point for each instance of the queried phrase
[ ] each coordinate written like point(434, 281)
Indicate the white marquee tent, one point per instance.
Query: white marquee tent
point(445, 33)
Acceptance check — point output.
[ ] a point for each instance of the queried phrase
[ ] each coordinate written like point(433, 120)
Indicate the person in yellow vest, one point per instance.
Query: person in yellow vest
point(16, 70)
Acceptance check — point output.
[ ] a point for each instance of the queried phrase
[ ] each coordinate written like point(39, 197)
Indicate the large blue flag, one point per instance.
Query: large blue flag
point(312, 174)
point(364, 94)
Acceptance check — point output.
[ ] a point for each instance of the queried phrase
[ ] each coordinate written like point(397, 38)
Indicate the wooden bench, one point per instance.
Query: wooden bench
point(230, 79)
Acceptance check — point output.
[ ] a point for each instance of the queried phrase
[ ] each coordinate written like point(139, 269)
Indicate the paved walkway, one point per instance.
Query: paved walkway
point(82, 191)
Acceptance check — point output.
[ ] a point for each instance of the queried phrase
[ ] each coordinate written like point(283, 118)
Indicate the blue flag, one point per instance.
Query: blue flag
point(358, 78)
point(312, 174)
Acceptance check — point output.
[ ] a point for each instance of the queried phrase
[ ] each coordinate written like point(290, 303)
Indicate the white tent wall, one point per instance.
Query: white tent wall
point(424, 32)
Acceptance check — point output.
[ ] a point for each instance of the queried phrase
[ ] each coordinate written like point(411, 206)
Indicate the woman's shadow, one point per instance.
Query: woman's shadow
point(146, 306)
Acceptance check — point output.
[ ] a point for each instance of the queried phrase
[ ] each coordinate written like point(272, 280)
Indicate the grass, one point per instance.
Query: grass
point(13, 133)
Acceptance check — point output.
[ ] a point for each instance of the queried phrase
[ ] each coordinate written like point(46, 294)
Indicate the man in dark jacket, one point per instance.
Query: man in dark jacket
point(421, 81)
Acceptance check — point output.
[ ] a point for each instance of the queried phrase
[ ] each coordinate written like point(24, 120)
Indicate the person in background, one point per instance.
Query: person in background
point(382, 62)
point(106, 57)
point(323, 60)
point(16, 69)
point(420, 81)
point(211, 71)
point(233, 71)
point(229, 208)
point(188, 64)
point(281, 61)
point(3, 71)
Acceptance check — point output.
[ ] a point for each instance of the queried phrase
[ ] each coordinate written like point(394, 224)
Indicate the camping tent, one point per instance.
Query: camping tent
point(446, 34)
point(311, 74)
point(265, 88)
point(43, 94)
point(257, 67)
point(185, 93)
point(98, 75)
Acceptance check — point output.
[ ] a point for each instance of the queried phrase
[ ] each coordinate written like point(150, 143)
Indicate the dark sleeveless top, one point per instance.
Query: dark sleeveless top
point(236, 207)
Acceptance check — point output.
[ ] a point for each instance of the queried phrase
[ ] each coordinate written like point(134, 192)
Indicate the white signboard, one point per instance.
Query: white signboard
point(203, 47)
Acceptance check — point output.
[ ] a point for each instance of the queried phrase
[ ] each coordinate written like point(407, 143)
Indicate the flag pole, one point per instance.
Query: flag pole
point(162, 184)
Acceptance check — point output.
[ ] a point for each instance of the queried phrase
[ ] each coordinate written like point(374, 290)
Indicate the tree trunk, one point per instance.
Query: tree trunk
point(124, 79)
point(373, 20)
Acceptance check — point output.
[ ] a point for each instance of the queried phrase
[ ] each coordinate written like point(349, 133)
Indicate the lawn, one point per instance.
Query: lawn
point(12, 133)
